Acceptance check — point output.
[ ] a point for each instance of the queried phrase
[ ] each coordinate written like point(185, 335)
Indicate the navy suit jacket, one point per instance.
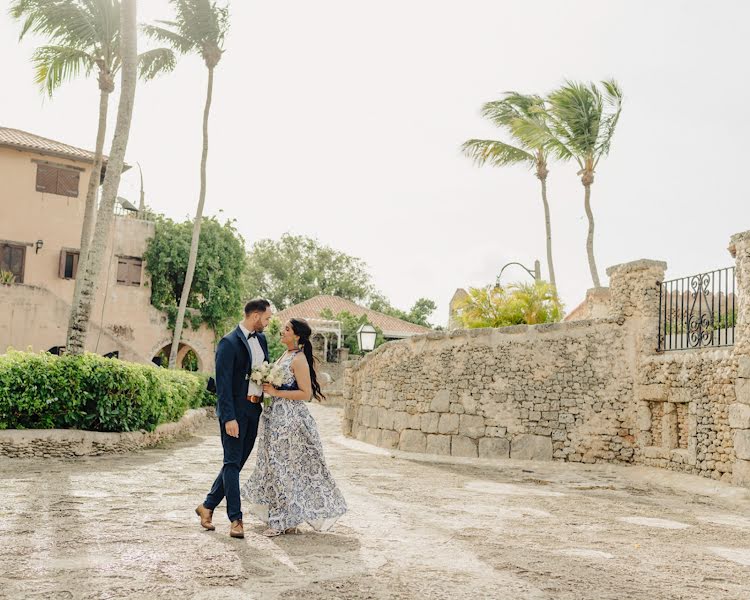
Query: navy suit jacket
point(233, 364)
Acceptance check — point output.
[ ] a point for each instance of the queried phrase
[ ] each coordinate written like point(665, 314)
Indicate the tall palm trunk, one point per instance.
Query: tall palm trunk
point(548, 226)
point(541, 173)
point(81, 311)
point(590, 237)
point(196, 229)
point(89, 216)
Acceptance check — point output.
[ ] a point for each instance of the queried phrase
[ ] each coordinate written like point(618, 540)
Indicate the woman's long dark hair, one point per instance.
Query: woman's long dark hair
point(301, 328)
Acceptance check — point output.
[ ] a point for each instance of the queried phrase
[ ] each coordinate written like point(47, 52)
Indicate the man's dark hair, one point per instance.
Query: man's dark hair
point(257, 305)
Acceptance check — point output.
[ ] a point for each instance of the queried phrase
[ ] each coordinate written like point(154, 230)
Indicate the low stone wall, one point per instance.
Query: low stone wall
point(71, 443)
point(559, 390)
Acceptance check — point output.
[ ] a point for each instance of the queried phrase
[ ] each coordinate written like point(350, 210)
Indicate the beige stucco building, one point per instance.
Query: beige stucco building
point(42, 198)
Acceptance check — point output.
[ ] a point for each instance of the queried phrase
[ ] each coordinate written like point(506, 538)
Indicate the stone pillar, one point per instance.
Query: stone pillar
point(739, 248)
point(634, 295)
point(739, 412)
point(634, 301)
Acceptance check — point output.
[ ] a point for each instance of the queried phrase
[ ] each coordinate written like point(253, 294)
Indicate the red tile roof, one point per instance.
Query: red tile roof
point(23, 140)
point(311, 309)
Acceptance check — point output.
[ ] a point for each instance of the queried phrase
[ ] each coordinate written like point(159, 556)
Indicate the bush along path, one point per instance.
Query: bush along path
point(43, 391)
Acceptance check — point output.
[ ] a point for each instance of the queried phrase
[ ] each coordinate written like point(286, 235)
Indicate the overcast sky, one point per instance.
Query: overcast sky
point(342, 120)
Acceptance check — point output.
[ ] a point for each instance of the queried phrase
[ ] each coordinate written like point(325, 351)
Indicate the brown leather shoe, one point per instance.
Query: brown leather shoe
point(205, 514)
point(237, 530)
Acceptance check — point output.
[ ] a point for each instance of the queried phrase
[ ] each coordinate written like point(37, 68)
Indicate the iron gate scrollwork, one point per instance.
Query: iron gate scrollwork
point(697, 311)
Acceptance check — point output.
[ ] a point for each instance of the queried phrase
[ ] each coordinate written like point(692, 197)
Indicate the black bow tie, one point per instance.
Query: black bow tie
point(253, 334)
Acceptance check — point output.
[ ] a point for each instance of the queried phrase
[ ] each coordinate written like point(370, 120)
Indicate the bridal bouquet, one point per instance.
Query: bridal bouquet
point(267, 373)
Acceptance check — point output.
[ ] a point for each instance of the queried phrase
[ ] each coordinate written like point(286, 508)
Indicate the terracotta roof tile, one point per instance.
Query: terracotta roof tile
point(15, 138)
point(311, 309)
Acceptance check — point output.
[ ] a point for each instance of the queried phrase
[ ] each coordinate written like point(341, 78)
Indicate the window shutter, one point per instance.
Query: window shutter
point(135, 272)
point(61, 267)
point(76, 256)
point(122, 270)
point(67, 183)
point(46, 179)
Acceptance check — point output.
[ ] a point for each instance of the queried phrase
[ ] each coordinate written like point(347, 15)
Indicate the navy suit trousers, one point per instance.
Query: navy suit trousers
point(236, 451)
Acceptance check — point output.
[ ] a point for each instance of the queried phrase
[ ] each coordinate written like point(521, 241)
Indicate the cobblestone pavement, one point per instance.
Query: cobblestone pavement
point(418, 527)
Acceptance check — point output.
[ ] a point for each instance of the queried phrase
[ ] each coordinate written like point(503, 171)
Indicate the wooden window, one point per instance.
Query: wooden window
point(68, 264)
point(56, 180)
point(129, 270)
point(13, 259)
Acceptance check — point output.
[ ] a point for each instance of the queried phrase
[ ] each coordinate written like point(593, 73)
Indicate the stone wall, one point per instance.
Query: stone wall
point(683, 403)
point(71, 443)
point(591, 390)
point(557, 390)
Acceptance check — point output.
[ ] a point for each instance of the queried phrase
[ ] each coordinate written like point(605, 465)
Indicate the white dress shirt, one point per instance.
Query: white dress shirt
point(253, 389)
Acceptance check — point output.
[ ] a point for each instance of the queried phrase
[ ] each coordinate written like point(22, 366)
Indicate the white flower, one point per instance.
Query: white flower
point(276, 376)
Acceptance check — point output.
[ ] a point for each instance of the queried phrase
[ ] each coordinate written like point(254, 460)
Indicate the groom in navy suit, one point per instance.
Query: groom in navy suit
point(238, 408)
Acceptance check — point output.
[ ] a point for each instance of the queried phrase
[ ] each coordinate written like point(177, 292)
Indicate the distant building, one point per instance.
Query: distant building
point(455, 307)
point(43, 187)
point(327, 333)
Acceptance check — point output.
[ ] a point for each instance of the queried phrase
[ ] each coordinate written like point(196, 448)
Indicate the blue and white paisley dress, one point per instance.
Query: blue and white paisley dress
point(291, 483)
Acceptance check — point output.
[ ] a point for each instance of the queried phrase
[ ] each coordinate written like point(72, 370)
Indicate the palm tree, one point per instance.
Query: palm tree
point(200, 27)
point(485, 307)
point(128, 52)
point(85, 37)
point(507, 113)
point(535, 303)
point(581, 123)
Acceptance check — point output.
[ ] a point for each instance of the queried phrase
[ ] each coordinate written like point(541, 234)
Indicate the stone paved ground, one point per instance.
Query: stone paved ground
point(123, 527)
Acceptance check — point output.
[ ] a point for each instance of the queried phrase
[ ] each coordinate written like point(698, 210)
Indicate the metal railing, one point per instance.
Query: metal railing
point(697, 311)
point(145, 215)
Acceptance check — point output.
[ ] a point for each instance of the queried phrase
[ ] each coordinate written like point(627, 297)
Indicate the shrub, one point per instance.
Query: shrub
point(42, 391)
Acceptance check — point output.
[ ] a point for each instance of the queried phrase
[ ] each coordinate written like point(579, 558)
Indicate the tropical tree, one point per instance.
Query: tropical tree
point(485, 307)
point(581, 121)
point(88, 274)
point(199, 27)
point(295, 268)
point(85, 38)
point(534, 303)
point(519, 303)
point(216, 293)
point(508, 114)
point(418, 314)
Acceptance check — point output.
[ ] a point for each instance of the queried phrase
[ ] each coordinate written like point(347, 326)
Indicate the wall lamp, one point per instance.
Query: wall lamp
point(39, 246)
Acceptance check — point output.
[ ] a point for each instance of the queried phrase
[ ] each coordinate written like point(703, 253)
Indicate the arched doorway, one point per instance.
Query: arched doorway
point(187, 357)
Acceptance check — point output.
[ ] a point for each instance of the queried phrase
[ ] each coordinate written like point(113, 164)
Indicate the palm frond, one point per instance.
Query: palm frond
point(202, 21)
point(55, 65)
point(496, 153)
point(63, 22)
point(514, 105)
point(613, 99)
point(176, 40)
point(81, 34)
point(577, 108)
point(155, 62)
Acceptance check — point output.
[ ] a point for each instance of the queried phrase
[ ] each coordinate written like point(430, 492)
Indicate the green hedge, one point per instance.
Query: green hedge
point(42, 391)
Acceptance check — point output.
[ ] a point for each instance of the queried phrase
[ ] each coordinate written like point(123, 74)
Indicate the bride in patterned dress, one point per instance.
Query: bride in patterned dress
point(291, 483)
